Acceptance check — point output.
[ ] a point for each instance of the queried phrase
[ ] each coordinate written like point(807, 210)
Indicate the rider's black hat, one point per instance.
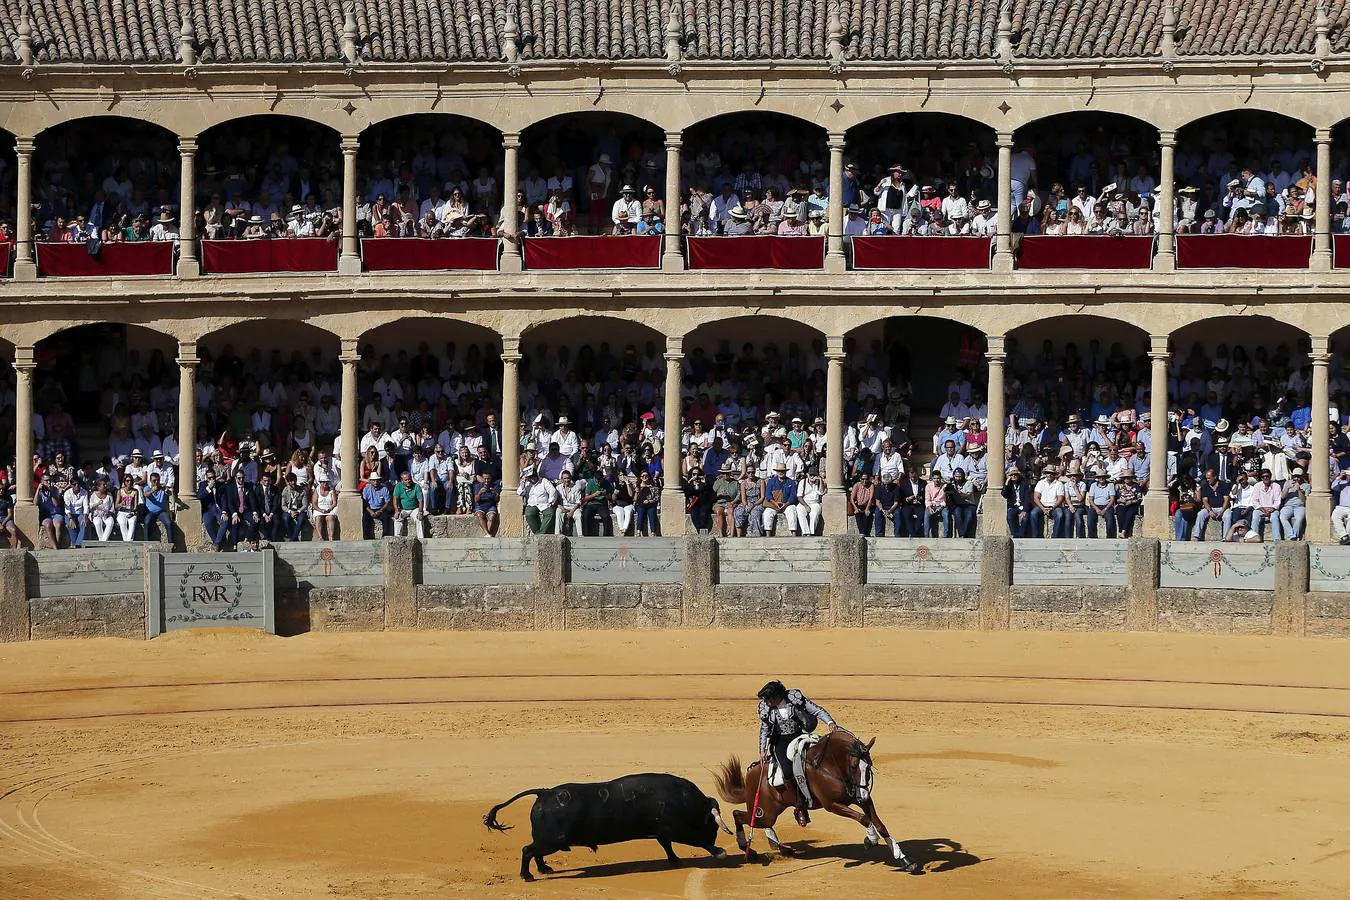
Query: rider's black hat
point(771, 690)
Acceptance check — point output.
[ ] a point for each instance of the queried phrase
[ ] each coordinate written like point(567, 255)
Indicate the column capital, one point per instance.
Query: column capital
point(511, 344)
point(1318, 343)
point(1157, 347)
point(510, 140)
point(834, 347)
point(1322, 136)
point(996, 351)
point(349, 354)
point(24, 360)
point(674, 140)
point(187, 146)
point(1167, 137)
point(350, 144)
point(23, 146)
point(187, 354)
point(835, 141)
point(675, 346)
point(1003, 140)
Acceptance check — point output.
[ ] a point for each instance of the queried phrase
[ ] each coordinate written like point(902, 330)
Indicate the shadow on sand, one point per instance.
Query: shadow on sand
point(935, 855)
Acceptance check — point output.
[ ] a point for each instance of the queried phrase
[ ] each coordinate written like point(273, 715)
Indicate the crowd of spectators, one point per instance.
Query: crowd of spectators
point(430, 178)
point(753, 441)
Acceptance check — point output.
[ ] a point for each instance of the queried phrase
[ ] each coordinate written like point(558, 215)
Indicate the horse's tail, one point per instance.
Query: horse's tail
point(731, 781)
point(490, 820)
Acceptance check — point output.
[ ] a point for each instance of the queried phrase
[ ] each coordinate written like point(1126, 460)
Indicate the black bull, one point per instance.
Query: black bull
point(664, 808)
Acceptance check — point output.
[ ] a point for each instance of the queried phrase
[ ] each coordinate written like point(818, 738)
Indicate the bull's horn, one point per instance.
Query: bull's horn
point(717, 817)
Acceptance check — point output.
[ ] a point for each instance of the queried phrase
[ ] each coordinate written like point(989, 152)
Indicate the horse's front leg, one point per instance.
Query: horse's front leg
point(739, 817)
point(874, 822)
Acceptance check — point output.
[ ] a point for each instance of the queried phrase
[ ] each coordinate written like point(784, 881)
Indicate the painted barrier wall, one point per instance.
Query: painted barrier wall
point(703, 582)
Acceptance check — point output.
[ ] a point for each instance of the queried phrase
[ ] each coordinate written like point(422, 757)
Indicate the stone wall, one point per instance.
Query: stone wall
point(553, 583)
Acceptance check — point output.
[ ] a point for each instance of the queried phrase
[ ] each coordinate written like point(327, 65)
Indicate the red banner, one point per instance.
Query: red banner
point(1340, 251)
point(1243, 251)
point(388, 254)
point(757, 252)
point(593, 252)
point(277, 255)
point(113, 259)
point(1092, 251)
point(909, 252)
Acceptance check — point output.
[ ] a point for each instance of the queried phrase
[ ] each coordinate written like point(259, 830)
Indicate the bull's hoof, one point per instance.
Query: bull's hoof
point(526, 876)
point(545, 869)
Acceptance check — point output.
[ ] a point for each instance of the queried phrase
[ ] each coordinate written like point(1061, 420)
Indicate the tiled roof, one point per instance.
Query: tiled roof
point(281, 31)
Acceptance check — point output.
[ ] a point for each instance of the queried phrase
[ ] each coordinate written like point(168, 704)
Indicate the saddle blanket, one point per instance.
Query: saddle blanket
point(796, 753)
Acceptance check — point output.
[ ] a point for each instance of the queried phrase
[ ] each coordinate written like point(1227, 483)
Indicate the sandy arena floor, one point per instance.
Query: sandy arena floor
point(359, 766)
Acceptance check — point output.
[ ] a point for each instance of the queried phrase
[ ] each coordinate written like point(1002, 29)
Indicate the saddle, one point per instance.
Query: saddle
point(796, 753)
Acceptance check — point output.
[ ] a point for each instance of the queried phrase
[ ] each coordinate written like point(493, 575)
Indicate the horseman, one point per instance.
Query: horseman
point(785, 715)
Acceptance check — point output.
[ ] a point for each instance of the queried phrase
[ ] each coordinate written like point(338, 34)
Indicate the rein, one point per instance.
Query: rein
point(850, 789)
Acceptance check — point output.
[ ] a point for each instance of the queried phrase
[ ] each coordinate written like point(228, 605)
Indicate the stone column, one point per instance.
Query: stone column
point(834, 509)
point(1003, 255)
point(1156, 521)
point(188, 266)
point(349, 263)
point(672, 260)
point(188, 512)
point(510, 224)
point(1319, 503)
point(835, 259)
point(994, 507)
point(1166, 260)
point(509, 507)
point(349, 498)
point(25, 512)
point(25, 263)
point(672, 497)
point(1321, 258)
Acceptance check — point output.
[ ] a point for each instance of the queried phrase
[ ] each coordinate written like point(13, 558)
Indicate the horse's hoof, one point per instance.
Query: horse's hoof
point(786, 850)
point(869, 842)
point(751, 855)
point(911, 868)
point(718, 853)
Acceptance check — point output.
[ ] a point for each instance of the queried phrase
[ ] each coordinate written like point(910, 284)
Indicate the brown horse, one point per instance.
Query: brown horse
point(839, 772)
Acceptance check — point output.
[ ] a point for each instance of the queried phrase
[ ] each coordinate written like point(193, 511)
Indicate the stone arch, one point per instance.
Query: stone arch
point(452, 141)
point(1256, 336)
point(1288, 107)
point(1027, 374)
point(265, 330)
point(919, 350)
point(566, 145)
point(798, 346)
point(311, 143)
point(1254, 137)
point(798, 142)
point(931, 144)
point(81, 364)
point(1094, 147)
point(70, 165)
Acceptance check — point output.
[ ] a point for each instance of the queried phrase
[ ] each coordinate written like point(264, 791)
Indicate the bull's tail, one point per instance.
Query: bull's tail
point(490, 820)
point(731, 781)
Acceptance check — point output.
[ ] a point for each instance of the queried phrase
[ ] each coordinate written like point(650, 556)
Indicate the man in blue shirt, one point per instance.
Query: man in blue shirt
point(780, 501)
point(156, 500)
point(376, 504)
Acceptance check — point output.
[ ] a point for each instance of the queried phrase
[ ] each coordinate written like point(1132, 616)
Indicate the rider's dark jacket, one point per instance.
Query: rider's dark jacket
point(774, 726)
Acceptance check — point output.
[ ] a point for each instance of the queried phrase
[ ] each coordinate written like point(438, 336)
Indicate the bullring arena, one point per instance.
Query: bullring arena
point(687, 260)
point(234, 764)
